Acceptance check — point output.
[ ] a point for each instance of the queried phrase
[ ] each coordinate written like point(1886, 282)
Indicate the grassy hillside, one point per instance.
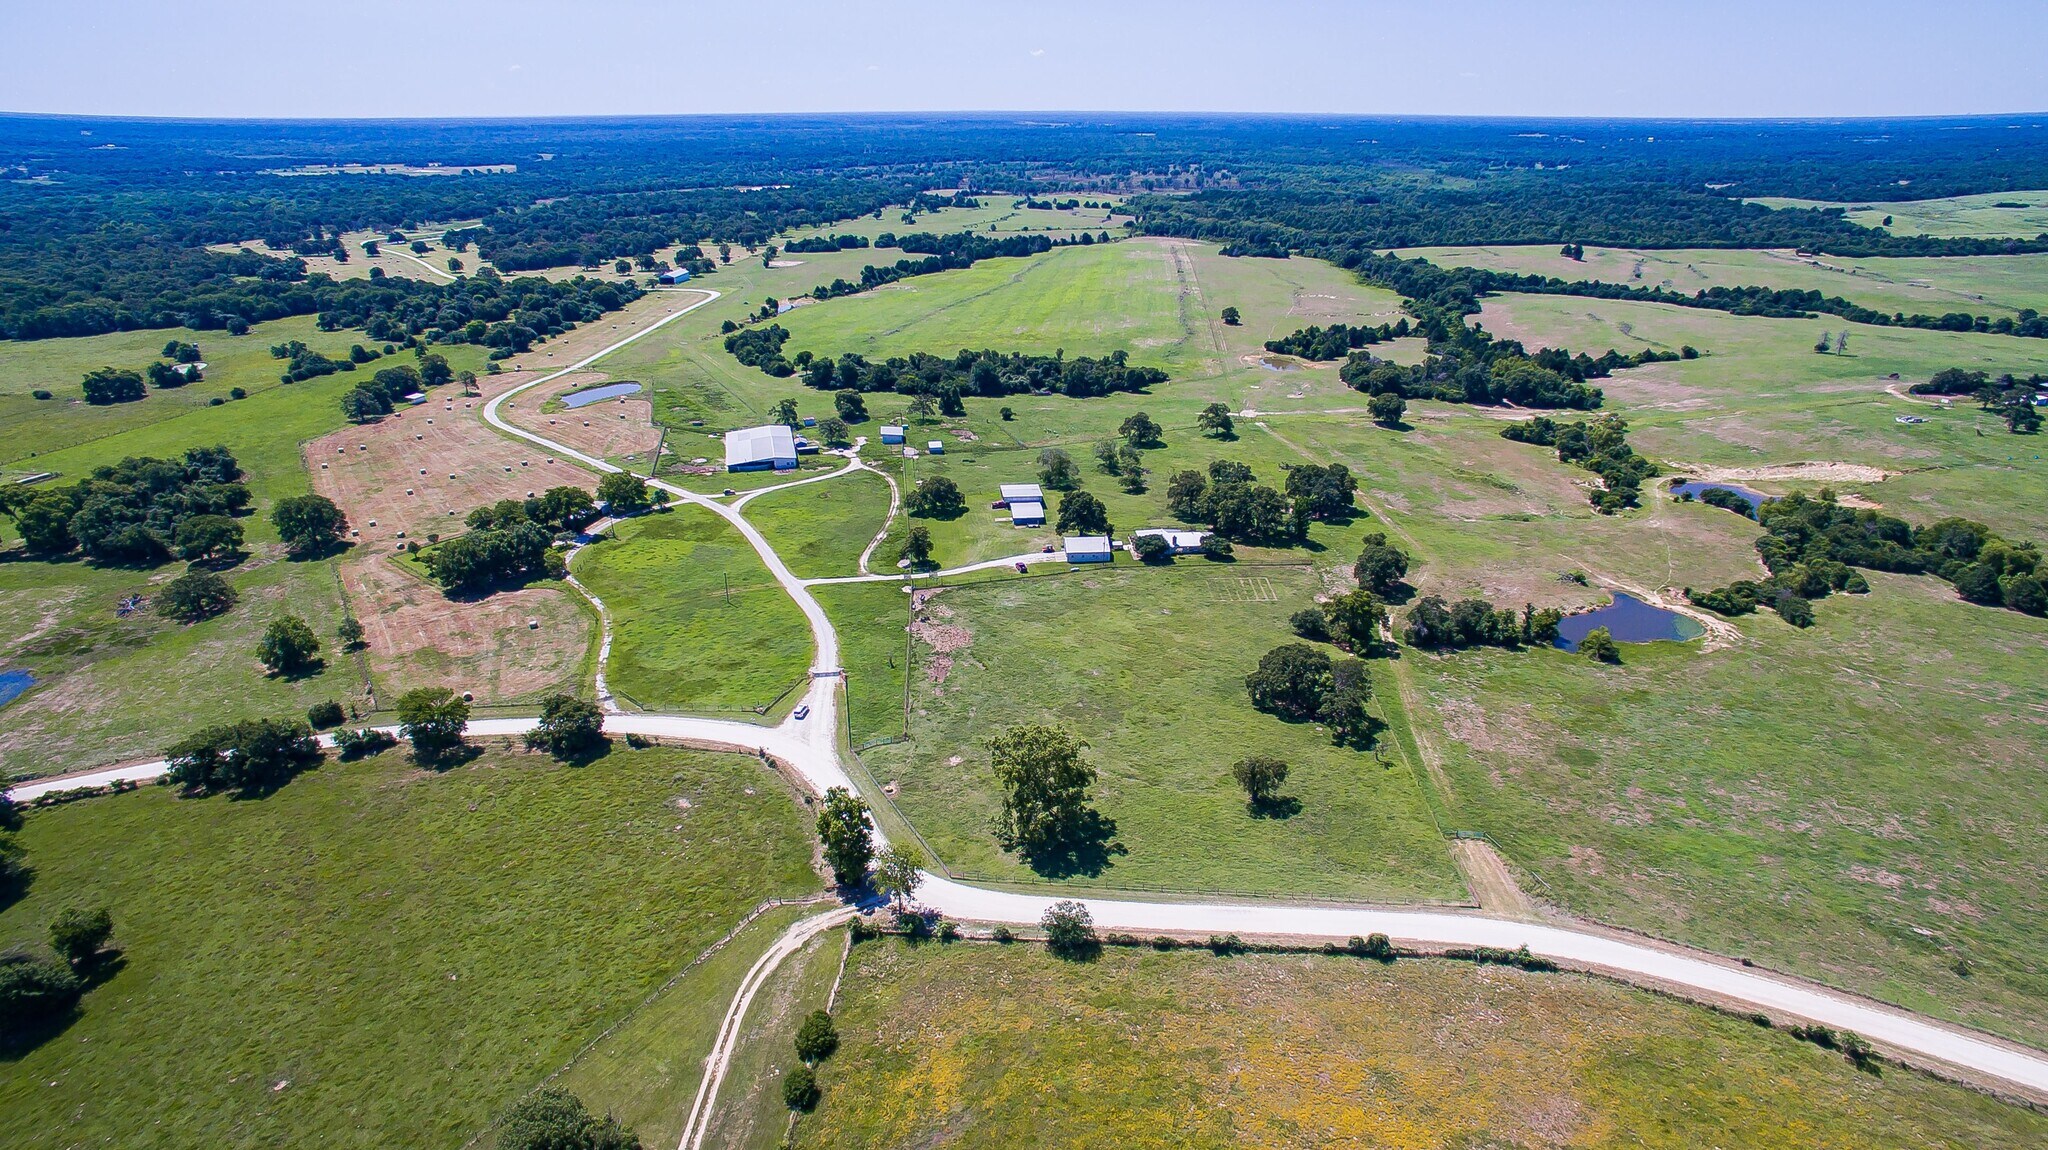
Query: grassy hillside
point(374, 956)
point(975, 1045)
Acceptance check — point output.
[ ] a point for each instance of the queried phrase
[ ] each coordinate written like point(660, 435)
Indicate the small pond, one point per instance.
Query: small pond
point(1279, 363)
point(1629, 620)
point(13, 683)
point(598, 394)
point(1695, 488)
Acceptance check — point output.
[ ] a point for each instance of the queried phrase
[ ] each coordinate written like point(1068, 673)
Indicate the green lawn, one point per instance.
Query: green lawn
point(870, 618)
point(821, 529)
point(980, 1045)
point(1981, 285)
point(1857, 802)
point(1974, 215)
point(379, 957)
point(698, 624)
point(1148, 666)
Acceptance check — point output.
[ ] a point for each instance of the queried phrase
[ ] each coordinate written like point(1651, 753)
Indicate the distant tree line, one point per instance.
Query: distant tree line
point(1433, 624)
point(817, 244)
point(1336, 340)
point(2012, 397)
point(941, 253)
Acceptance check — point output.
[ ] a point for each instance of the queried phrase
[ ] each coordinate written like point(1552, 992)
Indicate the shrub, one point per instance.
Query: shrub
point(364, 742)
point(33, 992)
point(41, 393)
point(1069, 930)
point(1820, 1036)
point(1378, 947)
point(1165, 942)
point(569, 728)
point(77, 935)
point(949, 931)
point(860, 930)
point(1003, 934)
point(800, 1089)
point(817, 1038)
point(325, 715)
point(554, 1119)
point(1518, 957)
point(1226, 944)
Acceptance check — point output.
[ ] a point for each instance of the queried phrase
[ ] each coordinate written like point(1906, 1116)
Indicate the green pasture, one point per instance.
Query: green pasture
point(1148, 666)
point(995, 216)
point(979, 1044)
point(1951, 216)
point(376, 956)
point(1853, 802)
point(820, 529)
point(1981, 285)
point(698, 624)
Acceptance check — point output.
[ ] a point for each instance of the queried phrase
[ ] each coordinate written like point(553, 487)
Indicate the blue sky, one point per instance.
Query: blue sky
point(589, 57)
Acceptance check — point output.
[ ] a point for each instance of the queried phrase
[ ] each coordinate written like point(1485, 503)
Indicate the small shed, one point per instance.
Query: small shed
point(891, 433)
point(1015, 493)
point(1088, 549)
point(935, 447)
point(416, 397)
point(1027, 513)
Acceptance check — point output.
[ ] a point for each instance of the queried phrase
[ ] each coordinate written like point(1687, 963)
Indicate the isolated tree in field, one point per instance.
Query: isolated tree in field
point(1354, 619)
point(1599, 644)
point(1057, 470)
point(1109, 455)
point(2021, 416)
point(1139, 430)
point(851, 407)
point(1842, 342)
point(624, 493)
point(1187, 496)
point(833, 431)
point(570, 728)
point(1082, 514)
point(1290, 681)
point(1130, 469)
point(1044, 781)
point(288, 646)
point(817, 1038)
point(454, 264)
point(1381, 566)
point(1006, 414)
point(1344, 706)
point(554, 1119)
point(308, 524)
point(34, 992)
point(848, 836)
point(105, 385)
point(896, 873)
point(917, 546)
point(1821, 345)
point(784, 412)
point(1215, 420)
point(1387, 408)
point(936, 497)
point(922, 405)
point(432, 719)
point(207, 537)
point(1230, 317)
point(800, 1089)
point(78, 935)
point(1069, 930)
point(194, 596)
point(1261, 777)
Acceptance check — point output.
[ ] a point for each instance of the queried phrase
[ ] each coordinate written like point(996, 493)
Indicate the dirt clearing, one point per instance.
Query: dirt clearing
point(608, 429)
point(417, 636)
point(1787, 472)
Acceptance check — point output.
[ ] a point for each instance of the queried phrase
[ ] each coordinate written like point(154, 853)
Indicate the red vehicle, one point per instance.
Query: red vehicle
point(1047, 549)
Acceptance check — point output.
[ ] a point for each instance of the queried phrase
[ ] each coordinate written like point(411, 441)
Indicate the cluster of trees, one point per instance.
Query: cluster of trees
point(105, 386)
point(1237, 507)
point(551, 1118)
point(1599, 445)
point(832, 243)
point(135, 511)
point(37, 992)
point(570, 729)
point(949, 252)
point(382, 393)
point(2011, 396)
point(1300, 683)
point(310, 525)
point(1335, 341)
point(1809, 544)
point(966, 373)
point(1436, 625)
point(250, 757)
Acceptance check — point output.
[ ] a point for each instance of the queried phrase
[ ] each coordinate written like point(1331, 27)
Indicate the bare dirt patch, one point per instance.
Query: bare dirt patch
point(941, 638)
point(417, 636)
point(1820, 472)
point(609, 429)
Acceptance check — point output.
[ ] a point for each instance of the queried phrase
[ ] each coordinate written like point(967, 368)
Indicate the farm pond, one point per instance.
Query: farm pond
point(1695, 488)
point(1629, 620)
point(599, 394)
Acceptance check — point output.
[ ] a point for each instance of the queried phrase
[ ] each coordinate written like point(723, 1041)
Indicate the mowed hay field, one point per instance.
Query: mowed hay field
point(1981, 285)
point(377, 956)
point(1974, 215)
point(1859, 802)
point(1148, 667)
point(698, 623)
point(976, 1045)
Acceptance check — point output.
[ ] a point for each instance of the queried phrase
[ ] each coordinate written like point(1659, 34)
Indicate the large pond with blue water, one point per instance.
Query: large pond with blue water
point(1695, 488)
point(13, 683)
point(1629, 620)
point(599, 394)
